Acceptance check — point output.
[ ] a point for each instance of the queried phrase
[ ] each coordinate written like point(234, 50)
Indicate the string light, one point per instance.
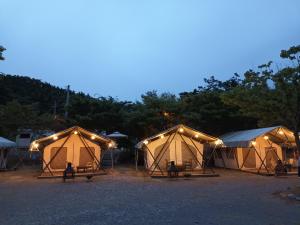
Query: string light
point(55, 138)
point(196, 135)
point(93, 137)
point(36, 145)
point(253, 143)
point(146, 142)
point(181, 130)
point(266, 137)
point(218, 142)
point(281, 132)
point(76, 132)
point(110, 145)
point(162, 136)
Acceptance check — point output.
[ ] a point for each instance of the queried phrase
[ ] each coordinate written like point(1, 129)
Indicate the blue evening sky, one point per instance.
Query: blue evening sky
point(127, 47)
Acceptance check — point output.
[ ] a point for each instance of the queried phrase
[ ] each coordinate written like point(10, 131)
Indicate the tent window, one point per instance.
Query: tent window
point(86, 156)
point(60, 160)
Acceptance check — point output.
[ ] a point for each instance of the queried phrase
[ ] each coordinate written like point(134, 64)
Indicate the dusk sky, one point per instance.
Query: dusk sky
point(127, 47)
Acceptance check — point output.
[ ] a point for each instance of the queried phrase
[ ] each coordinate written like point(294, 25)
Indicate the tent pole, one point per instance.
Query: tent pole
point(262, 161)
point(148, 150)
point(112, 159)
point(244, 161)
point(136, 158)
point(160, 153)
point(89, 150)
point(60, 148)
point(195, 157)
point(166, 144)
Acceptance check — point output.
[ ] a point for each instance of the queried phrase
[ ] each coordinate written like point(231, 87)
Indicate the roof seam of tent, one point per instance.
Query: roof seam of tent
point(176, 128)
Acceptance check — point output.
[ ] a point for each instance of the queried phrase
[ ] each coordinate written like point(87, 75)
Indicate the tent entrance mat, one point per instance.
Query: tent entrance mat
point(200, 173)
point(47, 175)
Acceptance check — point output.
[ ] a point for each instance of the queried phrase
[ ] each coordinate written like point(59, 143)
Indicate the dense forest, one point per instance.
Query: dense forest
point(262, 97)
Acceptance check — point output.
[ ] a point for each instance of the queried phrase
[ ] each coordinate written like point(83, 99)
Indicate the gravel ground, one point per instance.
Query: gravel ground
point(126, 198)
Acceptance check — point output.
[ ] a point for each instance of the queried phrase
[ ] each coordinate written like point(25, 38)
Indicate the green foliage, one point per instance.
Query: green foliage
point(258, 98)
point(2, 49)
point(271, 97)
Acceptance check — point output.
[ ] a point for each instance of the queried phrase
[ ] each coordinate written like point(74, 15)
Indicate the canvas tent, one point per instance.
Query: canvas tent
point(75, 145)
point(180, 144)
point(5, 146)
point(256, 150)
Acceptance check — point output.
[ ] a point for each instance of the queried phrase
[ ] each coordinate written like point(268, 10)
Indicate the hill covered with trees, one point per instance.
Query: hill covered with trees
point(257, 98)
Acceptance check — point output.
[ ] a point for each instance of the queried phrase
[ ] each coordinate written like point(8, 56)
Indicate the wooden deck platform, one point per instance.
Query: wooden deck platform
point(48, 175)
point(266, 173)
point(198, 173)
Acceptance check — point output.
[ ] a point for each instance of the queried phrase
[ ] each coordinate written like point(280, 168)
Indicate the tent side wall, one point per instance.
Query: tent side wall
point(232, 158)
point(175, 150)
point(250, 160)
point(73, 151)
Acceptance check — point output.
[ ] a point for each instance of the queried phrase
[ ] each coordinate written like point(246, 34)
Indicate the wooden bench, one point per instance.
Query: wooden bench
point(83, 169)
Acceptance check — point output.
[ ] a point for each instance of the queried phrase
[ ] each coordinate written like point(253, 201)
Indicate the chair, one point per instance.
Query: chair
point(188, 168)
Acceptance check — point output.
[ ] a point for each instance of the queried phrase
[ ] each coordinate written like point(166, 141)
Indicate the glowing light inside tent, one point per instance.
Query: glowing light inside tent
point(55, 138)
point(93, 137)
point(36, 145)
point(181, 130)
point(146, 142)
point(162, 136)
point(281, 132)
point(196, 135)
point(218, 142)
point(253, 143)
point(266, 137)
point(76, 132)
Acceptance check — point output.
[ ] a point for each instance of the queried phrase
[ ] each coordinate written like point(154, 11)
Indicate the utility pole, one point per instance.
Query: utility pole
point(67, 102)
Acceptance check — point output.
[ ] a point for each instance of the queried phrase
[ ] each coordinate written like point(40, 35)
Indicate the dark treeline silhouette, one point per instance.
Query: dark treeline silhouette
point(259, 98)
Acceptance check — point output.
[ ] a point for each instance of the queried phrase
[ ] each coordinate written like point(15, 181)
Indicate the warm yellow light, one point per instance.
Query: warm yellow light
point(93, 137)
point(76, 132)
point(36, 145)
point(110, 145)
point(146, 142)
point(266, 137)
point(196, 135)
point(218, 142)
point(162, 136)
point(281, 132)
point(55, 138)
point(181, 130)
point(253, 143)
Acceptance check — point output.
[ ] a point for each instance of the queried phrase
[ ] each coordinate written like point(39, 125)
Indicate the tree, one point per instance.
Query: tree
point(2, 49)
point(204, 109)
point(271, 97)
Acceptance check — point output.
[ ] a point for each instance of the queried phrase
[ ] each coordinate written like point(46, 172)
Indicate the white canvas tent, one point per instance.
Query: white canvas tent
point(256, 150)
point(5, 146)
point(180, 144)
point(75, 145)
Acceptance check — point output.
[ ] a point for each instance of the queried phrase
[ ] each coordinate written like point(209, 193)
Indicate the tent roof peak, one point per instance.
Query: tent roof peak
point(188, 131)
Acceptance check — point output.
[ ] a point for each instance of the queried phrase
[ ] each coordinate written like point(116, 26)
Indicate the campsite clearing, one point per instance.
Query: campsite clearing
point(124, 197)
